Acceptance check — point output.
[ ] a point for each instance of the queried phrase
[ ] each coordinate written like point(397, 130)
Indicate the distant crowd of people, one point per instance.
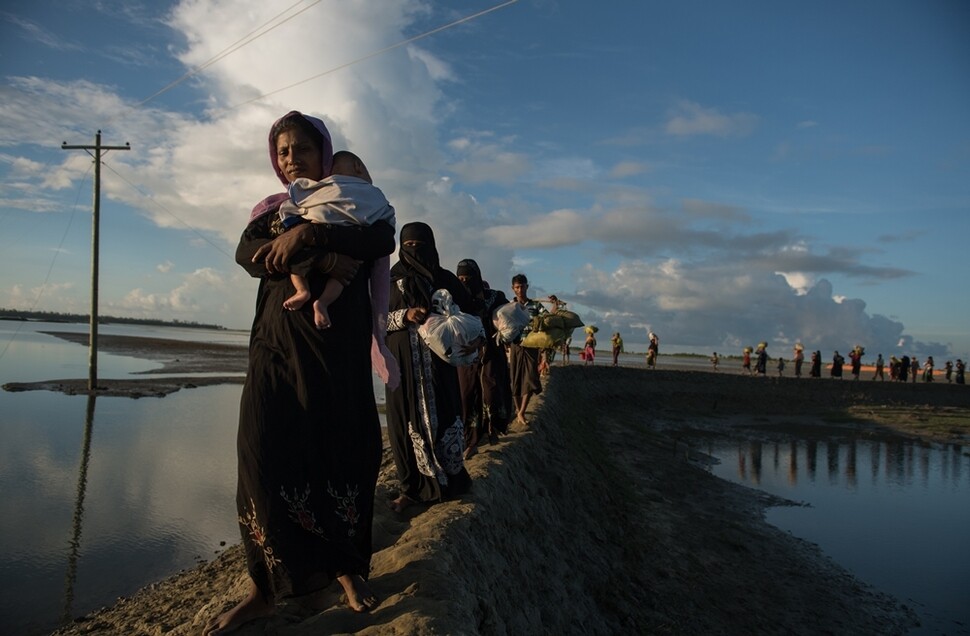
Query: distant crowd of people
point(901, 369)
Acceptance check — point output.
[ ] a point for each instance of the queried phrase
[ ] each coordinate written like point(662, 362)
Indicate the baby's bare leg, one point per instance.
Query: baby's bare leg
point(298, 299)
point(331, 291)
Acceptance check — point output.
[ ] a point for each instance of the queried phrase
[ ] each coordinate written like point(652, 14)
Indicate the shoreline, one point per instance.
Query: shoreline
point(182, 361)
point(178, 358)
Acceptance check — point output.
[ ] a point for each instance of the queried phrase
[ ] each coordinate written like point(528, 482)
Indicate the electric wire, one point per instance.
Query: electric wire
point(244, 41)
point(149, 197)
point(250, 37)
point(372, 55)
point(232, 48)
point(50, 269)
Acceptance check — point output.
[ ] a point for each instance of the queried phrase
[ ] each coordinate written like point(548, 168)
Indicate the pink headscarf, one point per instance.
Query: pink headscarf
point(272, 202)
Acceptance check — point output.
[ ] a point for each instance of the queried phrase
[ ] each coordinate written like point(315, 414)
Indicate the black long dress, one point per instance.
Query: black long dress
point(486, 387)
point(424, 425)
point(309, 440)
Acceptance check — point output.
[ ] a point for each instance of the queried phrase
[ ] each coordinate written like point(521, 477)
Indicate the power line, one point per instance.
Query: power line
point(246, 40)
point(238, 44)
point(375, 53)
point(149, 197)
point(232, 48)
point(50, 269)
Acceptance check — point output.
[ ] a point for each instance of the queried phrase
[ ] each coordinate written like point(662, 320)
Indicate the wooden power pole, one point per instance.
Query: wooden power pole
point(95, 237)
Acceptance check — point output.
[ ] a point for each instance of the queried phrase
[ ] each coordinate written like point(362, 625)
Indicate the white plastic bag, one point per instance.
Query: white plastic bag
point(447, 330)
point(509, 320)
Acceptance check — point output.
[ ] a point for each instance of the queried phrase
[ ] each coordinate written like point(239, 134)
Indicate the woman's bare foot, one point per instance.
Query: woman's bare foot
point(360, 597)
point(296, 301)
point(320, 316)
point(401, 503)
point(249, 609)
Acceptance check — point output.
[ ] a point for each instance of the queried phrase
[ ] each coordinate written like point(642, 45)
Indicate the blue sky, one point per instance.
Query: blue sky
point(719, 173)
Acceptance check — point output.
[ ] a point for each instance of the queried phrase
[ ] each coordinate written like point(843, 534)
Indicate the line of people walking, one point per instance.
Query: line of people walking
point(309, 443)
point(901, 369)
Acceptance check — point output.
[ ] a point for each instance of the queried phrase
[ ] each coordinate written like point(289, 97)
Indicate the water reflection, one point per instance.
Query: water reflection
point(82, 523)
point(906, 462)
point(98, 502)
point(75, 542)
point(894, 512)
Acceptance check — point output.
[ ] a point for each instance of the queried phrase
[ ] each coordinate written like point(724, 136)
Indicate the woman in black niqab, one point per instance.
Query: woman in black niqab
point(424, 423)
point(486, 387)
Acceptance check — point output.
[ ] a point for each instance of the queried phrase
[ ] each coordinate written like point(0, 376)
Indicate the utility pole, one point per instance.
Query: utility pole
point(95, 237)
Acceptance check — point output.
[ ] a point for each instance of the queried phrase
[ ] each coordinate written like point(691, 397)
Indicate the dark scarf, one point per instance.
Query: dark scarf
point(475, 286)
point(418, 266)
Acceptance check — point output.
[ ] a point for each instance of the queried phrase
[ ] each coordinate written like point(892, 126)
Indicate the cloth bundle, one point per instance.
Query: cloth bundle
point(540, 340)
point(570, 319)
point(509, 320)
point(550, 329)
point(447, 330)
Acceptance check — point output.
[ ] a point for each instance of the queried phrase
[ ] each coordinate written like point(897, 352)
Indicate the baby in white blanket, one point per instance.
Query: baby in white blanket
point(348, 196)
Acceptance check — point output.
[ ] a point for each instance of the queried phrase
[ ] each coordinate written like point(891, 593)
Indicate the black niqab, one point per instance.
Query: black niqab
point(418, 266)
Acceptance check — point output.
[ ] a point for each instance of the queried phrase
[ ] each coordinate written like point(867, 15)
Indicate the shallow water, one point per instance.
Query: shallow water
point(894, 513)
point(101, 497)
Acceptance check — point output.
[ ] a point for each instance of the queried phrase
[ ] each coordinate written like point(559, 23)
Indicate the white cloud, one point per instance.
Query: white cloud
point(202, 288)
point(800, 282)
point(489, 163)
point(38, 33)
point(725, 306)
point(17, 297)
point(628, 169)
point(689, 119)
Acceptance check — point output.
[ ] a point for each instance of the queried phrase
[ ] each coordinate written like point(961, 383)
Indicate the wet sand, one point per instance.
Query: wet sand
point(177, 357)
point(599, 518)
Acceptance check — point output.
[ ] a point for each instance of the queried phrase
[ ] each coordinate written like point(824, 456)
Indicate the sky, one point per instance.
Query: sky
point(718, 173)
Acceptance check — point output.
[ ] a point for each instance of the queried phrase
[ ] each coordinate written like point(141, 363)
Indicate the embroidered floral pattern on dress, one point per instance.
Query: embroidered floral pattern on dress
point(450, 447)
point(432, 459)
point(346, 509)
point(396, 319)
point(300, 513)
point(422, 458)
point(424, 432)
point(258, 536)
